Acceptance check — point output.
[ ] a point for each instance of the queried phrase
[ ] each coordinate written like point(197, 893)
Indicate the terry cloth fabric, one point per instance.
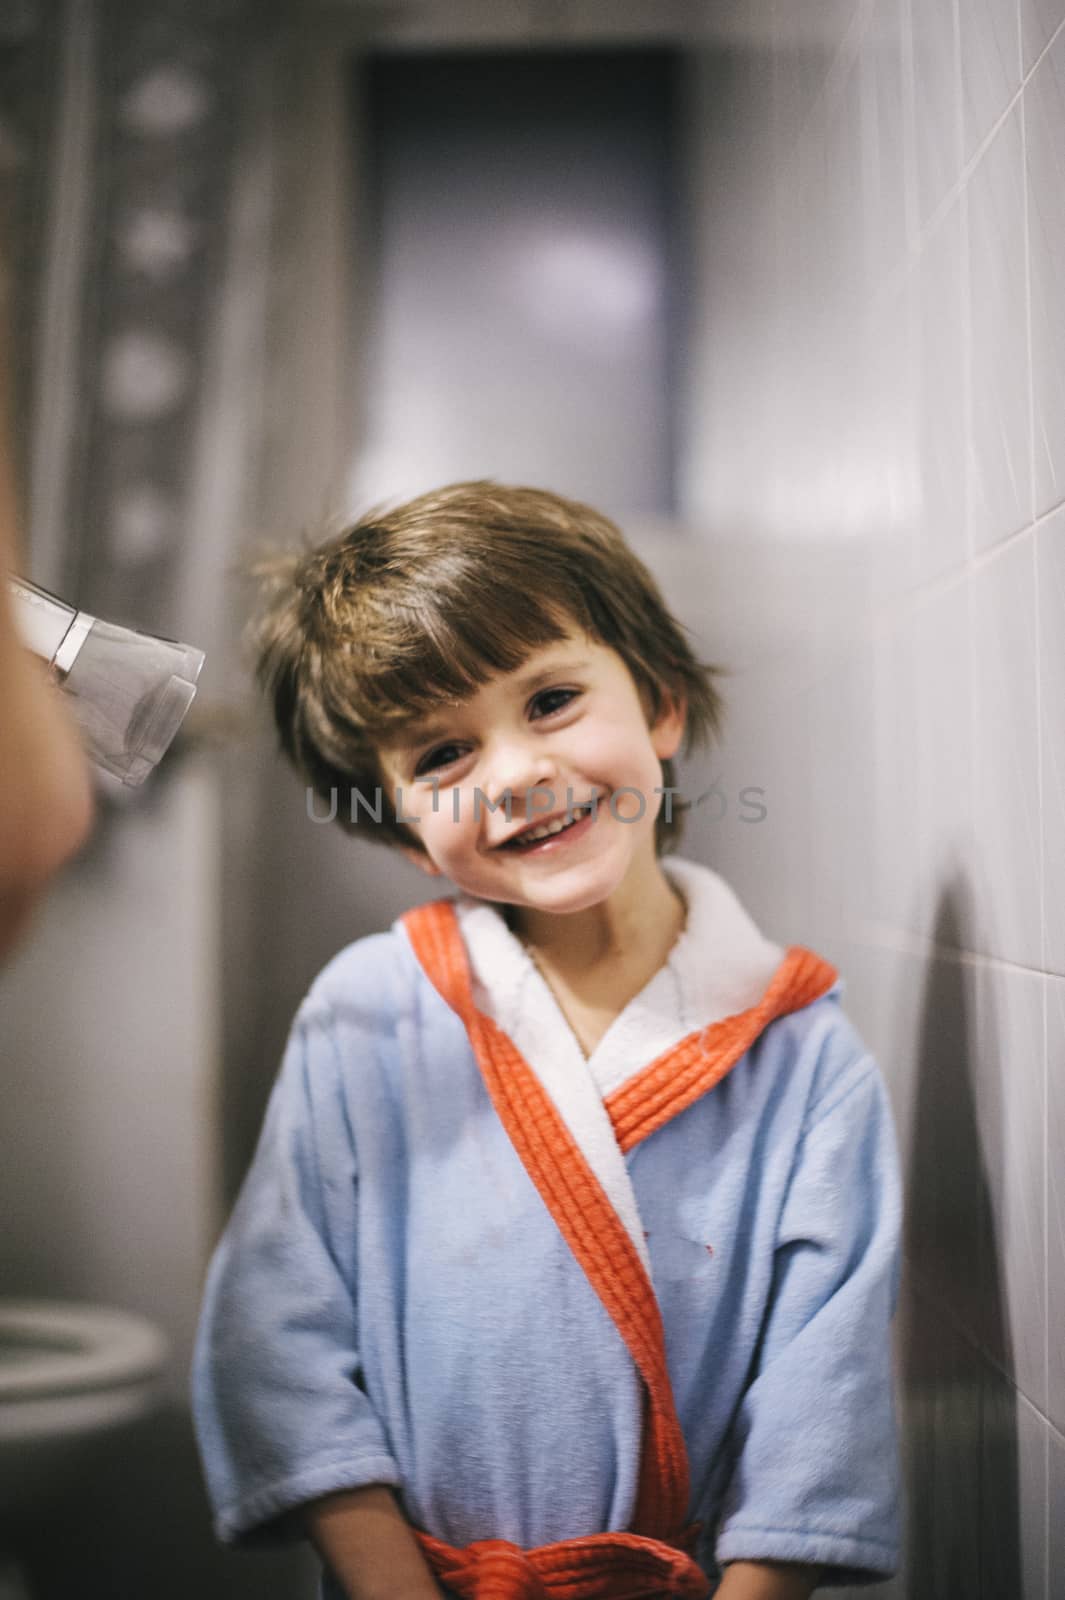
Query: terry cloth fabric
point(719, 967)
point(434, 1275)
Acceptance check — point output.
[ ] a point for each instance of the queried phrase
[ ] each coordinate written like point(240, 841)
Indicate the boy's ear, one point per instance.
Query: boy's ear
point(668, 730)
point(418, 858)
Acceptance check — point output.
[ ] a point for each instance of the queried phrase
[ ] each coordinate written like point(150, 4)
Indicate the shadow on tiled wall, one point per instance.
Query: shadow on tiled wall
point(959, 1416)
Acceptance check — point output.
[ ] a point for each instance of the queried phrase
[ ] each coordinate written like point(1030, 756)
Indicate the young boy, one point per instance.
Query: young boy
point(567, 1259)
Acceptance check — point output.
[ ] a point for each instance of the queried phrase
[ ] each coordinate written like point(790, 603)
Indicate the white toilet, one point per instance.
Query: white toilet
point(68, 1373)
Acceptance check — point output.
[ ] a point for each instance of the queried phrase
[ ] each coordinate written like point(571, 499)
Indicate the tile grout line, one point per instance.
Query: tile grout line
point(880, 619)
point(972, 818)
point(844, 60)
point(938, 214)
point(1051, 42)
point(966, 301)
point(921, 1287)
point(1032, 501)
point(925, 229)
point(919, 596)
point(883, 936)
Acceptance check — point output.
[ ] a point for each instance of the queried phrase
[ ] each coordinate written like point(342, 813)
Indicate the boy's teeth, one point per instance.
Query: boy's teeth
point(552, 827)
point(544, 832)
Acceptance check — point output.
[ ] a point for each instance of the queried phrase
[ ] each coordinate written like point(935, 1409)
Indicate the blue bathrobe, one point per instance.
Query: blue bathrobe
point(398, 1297)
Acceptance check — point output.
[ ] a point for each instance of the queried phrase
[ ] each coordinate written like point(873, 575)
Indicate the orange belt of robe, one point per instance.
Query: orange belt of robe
point(656, 1558)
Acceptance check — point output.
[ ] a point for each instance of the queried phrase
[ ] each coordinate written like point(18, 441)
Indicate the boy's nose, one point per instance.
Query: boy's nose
point(519, 770)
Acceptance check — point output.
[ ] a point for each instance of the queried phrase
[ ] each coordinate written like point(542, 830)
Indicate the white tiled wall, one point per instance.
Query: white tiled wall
point(877, 396)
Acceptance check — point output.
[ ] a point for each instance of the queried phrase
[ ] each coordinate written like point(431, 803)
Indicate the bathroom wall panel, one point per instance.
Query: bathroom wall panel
point(999, 444)
point(848, 860)
point(1044, 115)
point(1055, 1227)
point(1008, 862)
point(990, 65)
point(949, 1549)
point(943, 779)
point(888, 177)
point(758, 817)
point(1039, 21)
point(1013, 1494)
point(947, 1200)
point(1008, 1064)
point(1055, 1502)
point(1050, 584)
point(897, 542)
point(894, 819)
point(935, 103)
point(940, 400)
point(885, 993)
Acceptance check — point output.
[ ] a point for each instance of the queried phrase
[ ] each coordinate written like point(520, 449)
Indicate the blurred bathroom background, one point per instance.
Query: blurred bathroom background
point(780, 284)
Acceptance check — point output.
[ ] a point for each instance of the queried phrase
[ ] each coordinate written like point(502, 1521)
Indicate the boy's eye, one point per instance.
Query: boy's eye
point(444, 754)
point(433, 759)
point(549, 694)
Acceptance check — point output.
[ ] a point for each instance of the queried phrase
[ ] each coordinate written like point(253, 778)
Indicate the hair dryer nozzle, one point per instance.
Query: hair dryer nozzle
point(127, 691)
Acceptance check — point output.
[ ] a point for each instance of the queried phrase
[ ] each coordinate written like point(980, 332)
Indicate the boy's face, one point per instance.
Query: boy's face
point(570, 720)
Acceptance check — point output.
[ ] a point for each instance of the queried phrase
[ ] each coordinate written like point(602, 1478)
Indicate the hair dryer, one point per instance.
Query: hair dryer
point(127, 691)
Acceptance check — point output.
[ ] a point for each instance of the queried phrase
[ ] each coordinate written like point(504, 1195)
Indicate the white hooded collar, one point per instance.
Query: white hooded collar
point(720, 965)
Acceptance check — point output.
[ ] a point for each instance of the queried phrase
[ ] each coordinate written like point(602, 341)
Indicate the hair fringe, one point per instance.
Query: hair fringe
point(420, 602)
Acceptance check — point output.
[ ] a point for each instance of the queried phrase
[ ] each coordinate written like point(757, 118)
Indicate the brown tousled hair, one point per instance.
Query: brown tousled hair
point(410, 608)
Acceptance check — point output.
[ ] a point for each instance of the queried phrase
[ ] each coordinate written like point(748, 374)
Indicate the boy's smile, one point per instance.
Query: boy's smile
point(566, 729)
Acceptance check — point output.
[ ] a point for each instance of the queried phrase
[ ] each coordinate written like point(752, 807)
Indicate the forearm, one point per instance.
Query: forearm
point(46, 804)
point(368, 1544)
point(767, 1580)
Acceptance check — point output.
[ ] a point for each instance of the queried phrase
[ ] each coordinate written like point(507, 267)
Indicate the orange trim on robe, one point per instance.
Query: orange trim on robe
point(656, 1558)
